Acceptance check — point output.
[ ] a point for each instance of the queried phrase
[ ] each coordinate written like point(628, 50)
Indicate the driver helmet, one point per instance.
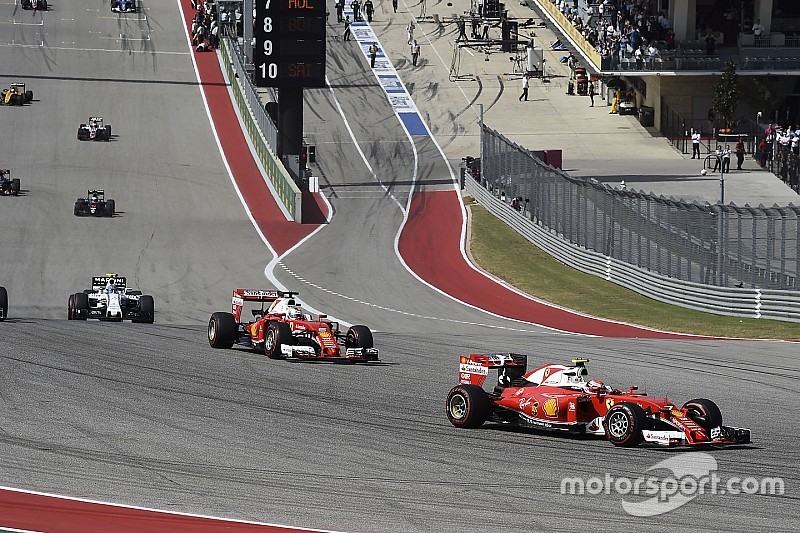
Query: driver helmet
point(294, 312)
point(110, 286)
point(94, 197)
point(595, 385)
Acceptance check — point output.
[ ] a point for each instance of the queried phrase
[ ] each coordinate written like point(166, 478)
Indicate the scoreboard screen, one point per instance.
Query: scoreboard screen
point(289, 48)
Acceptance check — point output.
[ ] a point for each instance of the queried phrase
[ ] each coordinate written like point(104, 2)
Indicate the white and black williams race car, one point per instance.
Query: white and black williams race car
point(111, 299)
point(124, 6)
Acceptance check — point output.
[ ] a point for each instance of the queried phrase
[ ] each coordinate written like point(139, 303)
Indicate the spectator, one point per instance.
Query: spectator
point(739, 154)
point(415, 53)
point(758, 29)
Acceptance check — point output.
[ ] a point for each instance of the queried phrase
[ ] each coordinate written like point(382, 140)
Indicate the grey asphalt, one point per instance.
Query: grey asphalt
point(152, 416)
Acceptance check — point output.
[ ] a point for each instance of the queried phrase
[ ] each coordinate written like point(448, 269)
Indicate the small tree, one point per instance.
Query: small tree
point(726, 95)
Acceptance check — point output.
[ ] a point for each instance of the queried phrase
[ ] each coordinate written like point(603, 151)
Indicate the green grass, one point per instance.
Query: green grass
point(506, 254)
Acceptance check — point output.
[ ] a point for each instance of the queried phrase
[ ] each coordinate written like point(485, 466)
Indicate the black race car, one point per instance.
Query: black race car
point(124, 6)
point(8, 186)
point(39, 5)
point(3, 303)
point(94, 205)
point(95, 130)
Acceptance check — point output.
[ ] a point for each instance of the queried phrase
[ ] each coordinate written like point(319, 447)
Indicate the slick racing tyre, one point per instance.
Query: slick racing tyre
point(222, 330)
point(81, 306)
point(15, 186)
point(277, 335)
point(71, 307)
point(358, 337)
point(467, 406)
point(3, 303)
point(111, 207)
point(704, 412)
point(28, 97)
point(624, 424)
point(147, 310)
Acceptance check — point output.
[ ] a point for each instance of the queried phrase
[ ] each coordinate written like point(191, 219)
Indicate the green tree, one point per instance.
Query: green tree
point(726, 95)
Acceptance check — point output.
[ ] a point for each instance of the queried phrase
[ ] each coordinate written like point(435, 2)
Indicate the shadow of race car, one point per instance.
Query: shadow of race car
point(8, 186)
point(559, 398)
point(286, 331)
point(94, 205)
point(95, 130)
point(111, 299)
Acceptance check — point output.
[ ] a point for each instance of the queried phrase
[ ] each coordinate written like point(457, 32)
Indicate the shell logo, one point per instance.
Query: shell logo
point(550, 407)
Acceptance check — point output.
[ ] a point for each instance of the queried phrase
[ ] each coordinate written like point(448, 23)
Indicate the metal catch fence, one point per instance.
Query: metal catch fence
point(717, 245)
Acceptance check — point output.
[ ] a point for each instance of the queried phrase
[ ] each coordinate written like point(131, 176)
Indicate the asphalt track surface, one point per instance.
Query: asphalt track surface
point(150, 416)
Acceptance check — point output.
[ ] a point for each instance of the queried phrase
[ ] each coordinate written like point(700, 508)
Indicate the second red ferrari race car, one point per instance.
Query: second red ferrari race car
point(285, 330)
point(558, 397)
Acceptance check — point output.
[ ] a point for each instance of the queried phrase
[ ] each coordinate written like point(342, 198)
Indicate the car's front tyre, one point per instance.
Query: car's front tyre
point(276, 336)
point(704, 412)
point(222, 330)
point(624, 424)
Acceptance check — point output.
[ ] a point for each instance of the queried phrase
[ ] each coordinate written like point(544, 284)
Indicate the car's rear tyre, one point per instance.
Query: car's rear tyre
point(3, 303)
point(468, 406)
point(77, 210)
point(358, 337)
point(276, 336)
point(147, 309)
point(28, 96)
point(71, 307)
point(624, 424)
point(222, 330)
point(81, 308)
point(111, 207)
point(15, 186)
point(108, 134)
point(704, 412)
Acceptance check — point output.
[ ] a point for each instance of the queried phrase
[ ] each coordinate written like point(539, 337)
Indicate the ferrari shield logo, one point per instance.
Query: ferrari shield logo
point(547, 372)
point(609, 403)
point(535, 408)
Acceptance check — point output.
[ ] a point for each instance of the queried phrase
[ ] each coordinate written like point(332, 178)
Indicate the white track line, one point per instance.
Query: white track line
point(358, 147)
point(160, 511)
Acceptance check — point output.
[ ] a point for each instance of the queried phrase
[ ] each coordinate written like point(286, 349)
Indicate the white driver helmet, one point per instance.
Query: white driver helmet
point(294, 312)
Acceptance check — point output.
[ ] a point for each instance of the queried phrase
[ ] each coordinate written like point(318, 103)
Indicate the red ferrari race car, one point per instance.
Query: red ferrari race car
point(558, 397)
point(286, 331)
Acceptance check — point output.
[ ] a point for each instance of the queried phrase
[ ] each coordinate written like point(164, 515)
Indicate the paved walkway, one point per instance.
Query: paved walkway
point(594, 143)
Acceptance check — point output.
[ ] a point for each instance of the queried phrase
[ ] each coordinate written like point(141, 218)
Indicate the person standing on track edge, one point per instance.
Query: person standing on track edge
point(394, 5)
point(369, 9)
point(373, 53)
point(339, 10)
point(525, 84)
point(346, 34)
point(696, 144)
point(414, 53)
point(739, 154)
point(591, 92)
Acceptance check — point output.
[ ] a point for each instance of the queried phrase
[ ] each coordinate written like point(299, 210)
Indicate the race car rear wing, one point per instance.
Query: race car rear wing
point(474, 368)
point(255, 295)
point(99, 282)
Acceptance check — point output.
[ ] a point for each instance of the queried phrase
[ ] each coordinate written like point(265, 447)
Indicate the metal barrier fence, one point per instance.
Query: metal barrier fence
point(260, 128)
point(666, 247)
